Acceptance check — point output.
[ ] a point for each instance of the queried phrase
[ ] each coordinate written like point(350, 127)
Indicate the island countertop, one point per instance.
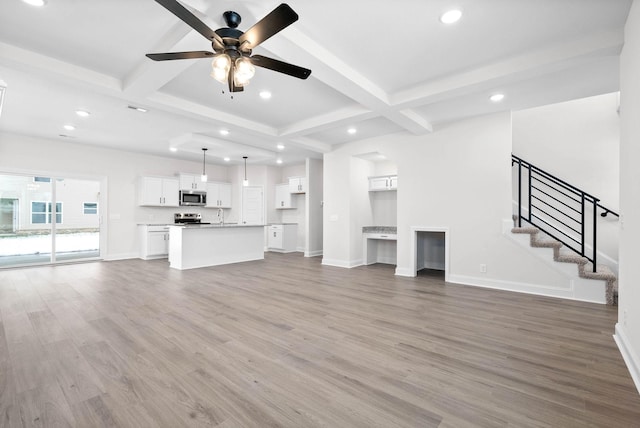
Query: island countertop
point(214, 225)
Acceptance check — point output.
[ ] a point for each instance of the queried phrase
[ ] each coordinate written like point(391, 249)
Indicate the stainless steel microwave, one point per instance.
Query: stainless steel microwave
point(196, 198)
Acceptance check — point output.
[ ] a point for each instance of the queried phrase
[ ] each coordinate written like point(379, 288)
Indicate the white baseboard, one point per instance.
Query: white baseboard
point(567, 292)
point(313, 253)
point(408, 272)
point(630, 357)
point(121, 256)
point(341, 263)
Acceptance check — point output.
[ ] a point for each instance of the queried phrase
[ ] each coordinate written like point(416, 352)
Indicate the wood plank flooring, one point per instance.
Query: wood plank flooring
point(286, 342)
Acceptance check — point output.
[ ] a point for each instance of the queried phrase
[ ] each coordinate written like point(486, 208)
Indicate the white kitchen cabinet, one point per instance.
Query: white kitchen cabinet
point(218, 195)
point(158, 191)
point(282, 238)
point(192, 182)
point(297, 184)
point(383, 183)
point(284, 200)
point(154, 241)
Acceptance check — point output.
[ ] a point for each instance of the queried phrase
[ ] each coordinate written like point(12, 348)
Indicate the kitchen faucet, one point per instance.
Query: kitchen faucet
point(221, 216)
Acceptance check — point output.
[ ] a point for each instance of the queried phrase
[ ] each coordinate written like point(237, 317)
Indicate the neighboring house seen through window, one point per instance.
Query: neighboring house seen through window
point(90, 208)
point(41, 212)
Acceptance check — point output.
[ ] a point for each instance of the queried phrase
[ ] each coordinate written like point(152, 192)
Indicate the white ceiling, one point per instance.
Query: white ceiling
point(379, 66)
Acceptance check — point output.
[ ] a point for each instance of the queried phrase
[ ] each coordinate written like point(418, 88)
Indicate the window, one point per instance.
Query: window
point(90, 208)
point(42, 179)
point(41, 212)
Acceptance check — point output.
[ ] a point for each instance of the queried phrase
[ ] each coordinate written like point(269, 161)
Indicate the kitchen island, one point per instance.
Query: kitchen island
point(196, 246)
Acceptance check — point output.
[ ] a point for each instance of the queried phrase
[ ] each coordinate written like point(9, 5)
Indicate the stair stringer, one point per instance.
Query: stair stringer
point(583, 289)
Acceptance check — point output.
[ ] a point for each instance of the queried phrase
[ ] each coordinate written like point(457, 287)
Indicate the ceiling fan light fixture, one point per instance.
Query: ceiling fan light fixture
point(220, 65)
point(243, 72)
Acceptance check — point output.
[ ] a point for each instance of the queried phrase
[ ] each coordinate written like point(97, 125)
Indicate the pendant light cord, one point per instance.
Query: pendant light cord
point(245, 167)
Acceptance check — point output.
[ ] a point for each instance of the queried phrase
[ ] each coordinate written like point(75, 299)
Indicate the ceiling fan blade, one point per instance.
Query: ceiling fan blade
point(180, 55)
point(277, 20)
point(190, 19)
point(279, 66)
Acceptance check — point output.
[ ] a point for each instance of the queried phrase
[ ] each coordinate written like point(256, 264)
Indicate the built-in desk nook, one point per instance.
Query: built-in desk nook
point(379, 244)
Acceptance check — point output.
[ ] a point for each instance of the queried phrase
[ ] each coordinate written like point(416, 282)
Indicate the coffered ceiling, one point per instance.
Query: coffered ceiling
point(379, 67)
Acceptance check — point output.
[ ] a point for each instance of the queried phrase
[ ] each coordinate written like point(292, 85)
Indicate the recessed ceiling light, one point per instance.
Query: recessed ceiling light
point(280, 146)
point(35, 2)
point(227, 159)
point(83, 113)
point(496, 98)
point(381, 156)
point(173, 149)
point(224, 132)
point(451, 16)
point(69, 127)
point(352, 131)
point(279, 161)
point(140, 109)
point(265, 95)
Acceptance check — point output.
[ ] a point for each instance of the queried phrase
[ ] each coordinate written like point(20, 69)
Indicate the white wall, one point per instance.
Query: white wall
point(314, 209)
point(628, 327)
point(579, 142)
point(458, 177)
point(120, 169)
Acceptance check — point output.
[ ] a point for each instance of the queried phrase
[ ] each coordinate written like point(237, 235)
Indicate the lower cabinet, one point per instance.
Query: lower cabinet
point(154, 241)
point(282, 237)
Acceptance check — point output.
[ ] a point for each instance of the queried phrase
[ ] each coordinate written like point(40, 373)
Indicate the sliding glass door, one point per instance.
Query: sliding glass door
point(48, 219)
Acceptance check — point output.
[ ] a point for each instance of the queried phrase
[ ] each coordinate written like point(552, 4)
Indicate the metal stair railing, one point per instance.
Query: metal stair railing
point(558, 208)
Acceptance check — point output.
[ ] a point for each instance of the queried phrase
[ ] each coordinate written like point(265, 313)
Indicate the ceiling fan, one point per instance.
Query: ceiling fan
point(232, 60)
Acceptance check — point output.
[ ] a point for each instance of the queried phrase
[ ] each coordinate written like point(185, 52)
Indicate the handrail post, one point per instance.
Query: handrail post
point(529, 196)
point(519, 193)
point(582, 225)
point(595, 232)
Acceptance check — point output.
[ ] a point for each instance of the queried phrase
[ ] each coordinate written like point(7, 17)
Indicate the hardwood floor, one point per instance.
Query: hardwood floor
point(288, 342)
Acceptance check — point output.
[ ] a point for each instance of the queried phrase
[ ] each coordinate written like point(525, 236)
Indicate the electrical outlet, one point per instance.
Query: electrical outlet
point(483, 268)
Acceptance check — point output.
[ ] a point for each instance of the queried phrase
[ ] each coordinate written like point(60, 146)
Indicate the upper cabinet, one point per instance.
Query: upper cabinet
point(383, 182)
point(192, 182)
point(283, 197)
point(297, 184)
point(218, 195)
point(158, 191)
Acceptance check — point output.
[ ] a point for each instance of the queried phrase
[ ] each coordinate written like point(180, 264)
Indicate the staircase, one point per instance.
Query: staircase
point(562, 217)
point(584, 266)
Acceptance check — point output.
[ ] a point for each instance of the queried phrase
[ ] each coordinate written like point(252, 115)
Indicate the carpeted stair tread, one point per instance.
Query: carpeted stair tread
point(546, 243)
point(527, 229)
point(602, 272)
point(571, 258)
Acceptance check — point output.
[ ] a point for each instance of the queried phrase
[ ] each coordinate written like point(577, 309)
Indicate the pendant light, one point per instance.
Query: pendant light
point(245, 182)
point(203, 177)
